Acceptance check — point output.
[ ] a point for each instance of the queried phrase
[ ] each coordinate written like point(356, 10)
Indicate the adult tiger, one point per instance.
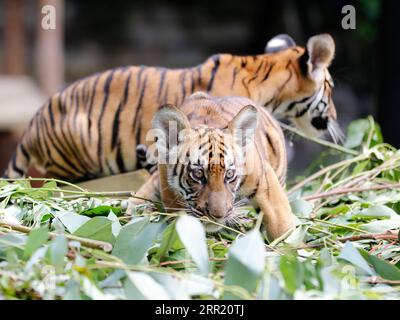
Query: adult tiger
point(212, 151)
point(91, 128)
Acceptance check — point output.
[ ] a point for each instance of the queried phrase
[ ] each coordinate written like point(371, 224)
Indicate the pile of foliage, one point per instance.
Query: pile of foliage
point(66, 243)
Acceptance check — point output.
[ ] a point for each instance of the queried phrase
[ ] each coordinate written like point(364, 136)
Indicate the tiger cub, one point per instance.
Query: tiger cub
point(91, 128)
point(212, 151)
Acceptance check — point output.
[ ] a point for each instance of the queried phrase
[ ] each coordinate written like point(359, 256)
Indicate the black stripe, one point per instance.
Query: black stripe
point(213, 72)
point(192, 81)
point(242, 182)
point(270, 142)
point(253, 193)
point(110, 169)
point(235, 72)
point(106, 90)
point(291, 105)
point(50, 111)
point(268, 72)
point(115, 130)
point(78, 102)
point(183, 78)
point(120, 159)
point(161, 85)
point(126, 90)
point(174, 171)
point(199, 79)
point(121, 107)
point(24, 152)
point(64, 138)
point(187, 191)
point(137, 122)
point(302, 112)
point(92, 96)
point(256, 73)
point(15, 167)
point(72, 134)
point(38, 144)
point(85, 95)
point(65, 158)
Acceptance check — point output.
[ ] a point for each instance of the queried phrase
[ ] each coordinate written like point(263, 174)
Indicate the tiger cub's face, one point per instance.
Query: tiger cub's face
point(306, 96)
point(206, 165)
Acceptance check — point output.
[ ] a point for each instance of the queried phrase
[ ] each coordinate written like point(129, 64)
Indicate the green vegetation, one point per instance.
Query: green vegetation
point(58, 243)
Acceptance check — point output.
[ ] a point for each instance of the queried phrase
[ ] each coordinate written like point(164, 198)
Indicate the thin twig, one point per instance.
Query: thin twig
point(168, 263)
point(338, 225)
point(366, 236)
point(351, 190)
point(378, 280)
point(320, 141)
point(325, 170)
point(45, 180)
point(94, 244)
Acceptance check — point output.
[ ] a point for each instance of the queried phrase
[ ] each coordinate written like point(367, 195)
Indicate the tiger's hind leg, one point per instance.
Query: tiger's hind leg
point(274, 205)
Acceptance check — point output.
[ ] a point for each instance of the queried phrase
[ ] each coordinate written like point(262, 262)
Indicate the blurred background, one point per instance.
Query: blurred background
point(91, 36)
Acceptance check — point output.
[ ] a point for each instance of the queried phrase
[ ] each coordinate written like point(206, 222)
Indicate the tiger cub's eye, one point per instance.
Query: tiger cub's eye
point(198, 173)
point(230, 174)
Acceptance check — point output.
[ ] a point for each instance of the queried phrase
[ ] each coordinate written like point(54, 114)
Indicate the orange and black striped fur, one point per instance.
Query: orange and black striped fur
point(92, 127)
point(225, 149)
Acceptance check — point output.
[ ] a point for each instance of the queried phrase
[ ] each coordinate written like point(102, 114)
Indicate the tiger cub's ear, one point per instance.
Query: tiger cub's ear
point(243, 126)
point(320, 50)
point(169, 121)
point(279, 43)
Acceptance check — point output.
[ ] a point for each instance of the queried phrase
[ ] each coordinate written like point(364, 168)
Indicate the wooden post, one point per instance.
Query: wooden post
point(50, 49)
point(14, 38)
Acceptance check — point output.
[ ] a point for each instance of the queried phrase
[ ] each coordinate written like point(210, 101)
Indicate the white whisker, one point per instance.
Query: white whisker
point(336, 132)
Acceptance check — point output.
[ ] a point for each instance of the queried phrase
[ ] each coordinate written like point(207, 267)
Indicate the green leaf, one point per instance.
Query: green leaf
point(192, 234)
point(301, 208)
point(292, 272)
point(356, 132)
point(36, 238)
point(375, 212)
point(98, 228)
point(360, 167)
point(72, 291)
point(12, 241)
point(298, 235)
point(352, 255)
point(72, 221)
point(382, 268)
point(246, 262)
point(170, 236)
point(115, 226)
point(380, 226)
point(58, 250)
point(101, 211)
point(135, 239)
point(139, 286)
